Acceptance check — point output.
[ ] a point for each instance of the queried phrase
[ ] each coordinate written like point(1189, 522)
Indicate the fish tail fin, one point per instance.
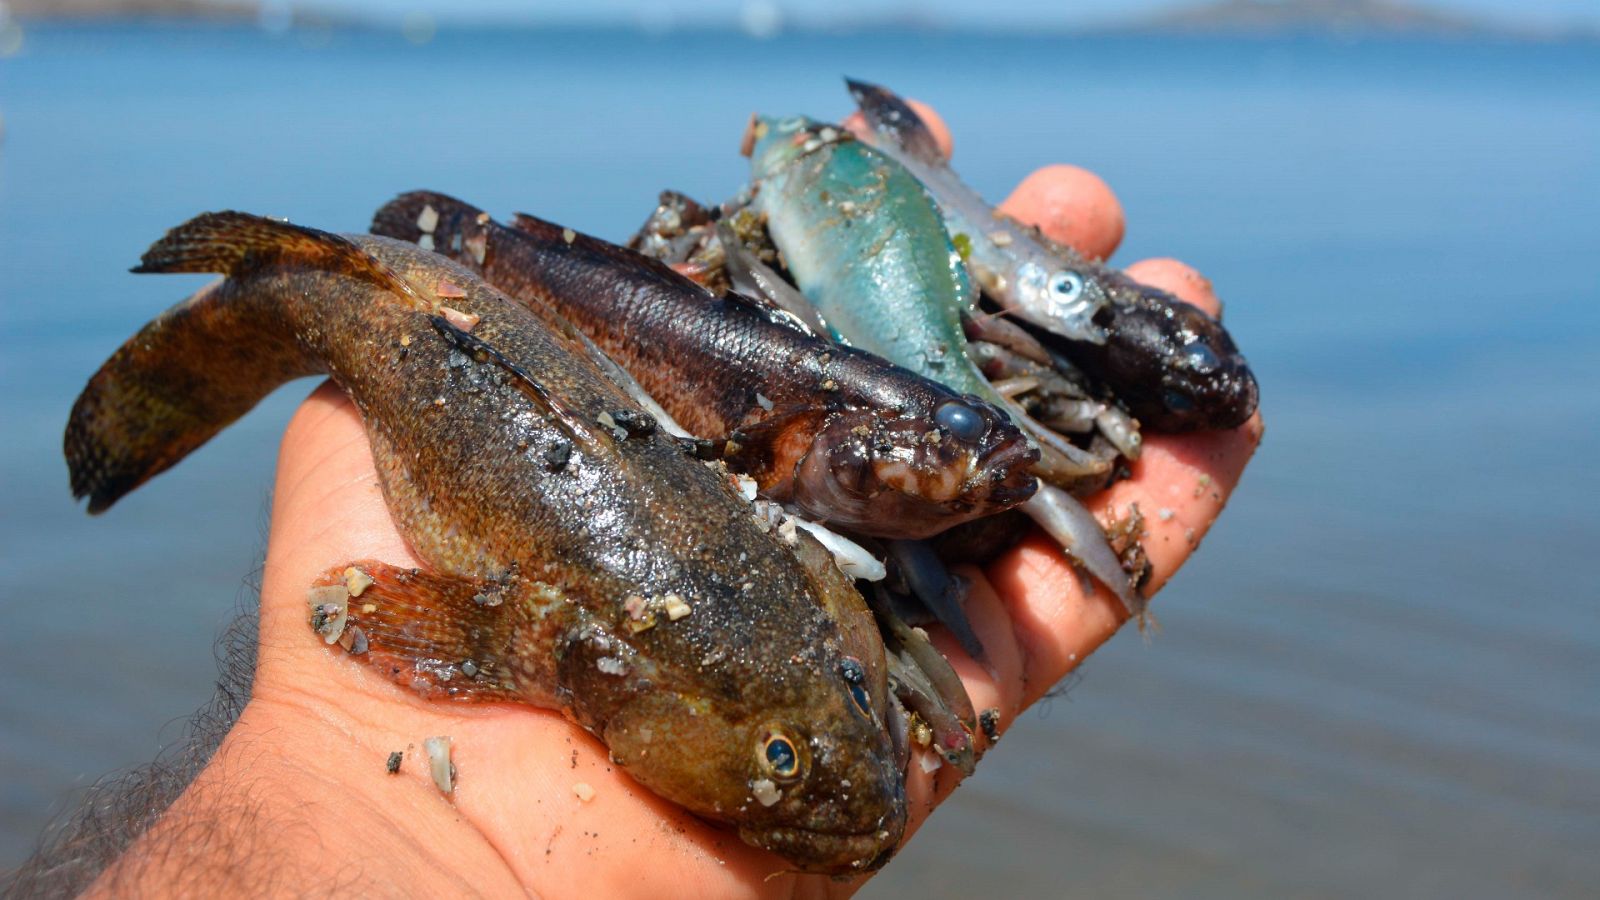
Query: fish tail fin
point(436, 221)
point(183, 378)
point(891, 116)
point(206, 361)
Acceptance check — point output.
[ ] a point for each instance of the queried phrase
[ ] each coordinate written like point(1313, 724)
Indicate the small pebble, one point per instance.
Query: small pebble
point(356, 581)
point(584, 791)
point(557, 455)
point(634, 422)
point(1164, 514)
point(393, 765)
point(439, 765)
point(463, 320)
point(354, 640)
point(329, 608)
point(989, 721)
point(676, 607)
point(765, 792)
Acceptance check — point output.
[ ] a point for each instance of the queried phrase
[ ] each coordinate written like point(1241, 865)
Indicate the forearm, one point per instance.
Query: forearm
point(294, 803)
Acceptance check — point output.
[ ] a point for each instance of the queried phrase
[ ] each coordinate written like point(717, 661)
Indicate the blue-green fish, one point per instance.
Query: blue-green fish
point(868, 247)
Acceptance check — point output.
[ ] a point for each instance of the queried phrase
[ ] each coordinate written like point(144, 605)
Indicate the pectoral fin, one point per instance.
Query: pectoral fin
point(442, 636)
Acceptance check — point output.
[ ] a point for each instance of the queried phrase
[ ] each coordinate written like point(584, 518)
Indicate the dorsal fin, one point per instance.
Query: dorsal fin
point(403, 217)
point(894, 119)
point(232, 243)
point(558, 235)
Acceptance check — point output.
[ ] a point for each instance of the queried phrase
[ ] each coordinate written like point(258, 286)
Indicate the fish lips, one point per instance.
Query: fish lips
point(830, 853)
point(1008, 466)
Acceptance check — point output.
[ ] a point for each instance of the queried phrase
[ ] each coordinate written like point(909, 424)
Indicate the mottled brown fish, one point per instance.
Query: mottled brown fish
point(576, 558)
point(846, 437)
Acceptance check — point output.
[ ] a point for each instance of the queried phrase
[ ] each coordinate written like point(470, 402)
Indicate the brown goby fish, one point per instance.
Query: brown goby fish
point(846, 437)
point(576, 557)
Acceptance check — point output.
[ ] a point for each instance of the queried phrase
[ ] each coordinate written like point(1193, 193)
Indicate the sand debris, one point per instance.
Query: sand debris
point(463, 320)
point(357, 580)
point(439, 764)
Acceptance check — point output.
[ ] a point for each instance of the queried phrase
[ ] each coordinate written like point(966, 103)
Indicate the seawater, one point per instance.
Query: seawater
point(1378, 678)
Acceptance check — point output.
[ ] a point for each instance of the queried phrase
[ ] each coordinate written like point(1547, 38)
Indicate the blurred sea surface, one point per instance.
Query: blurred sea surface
point(1380, 677)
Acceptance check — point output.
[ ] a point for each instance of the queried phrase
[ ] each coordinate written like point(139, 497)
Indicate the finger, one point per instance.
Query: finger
point(857, 125)
point(1072, 206)
point(327, 510)
point(1179, 486)
point(1179, 280)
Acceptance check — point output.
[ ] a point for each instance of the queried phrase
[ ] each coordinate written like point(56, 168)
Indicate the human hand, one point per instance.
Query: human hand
point(299, 789)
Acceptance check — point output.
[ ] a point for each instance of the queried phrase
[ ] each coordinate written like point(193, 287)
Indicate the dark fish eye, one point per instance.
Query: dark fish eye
point(1201, 358)
point(960, 420)
point(856, 678)
point(781, 757)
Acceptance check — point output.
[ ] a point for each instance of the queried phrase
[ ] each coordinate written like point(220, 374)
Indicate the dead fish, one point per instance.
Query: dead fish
point(845, 437)
point(570, 563)
point(1174, 367)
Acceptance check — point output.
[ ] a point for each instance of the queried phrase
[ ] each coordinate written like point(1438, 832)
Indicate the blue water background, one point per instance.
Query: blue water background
point(1381, 676)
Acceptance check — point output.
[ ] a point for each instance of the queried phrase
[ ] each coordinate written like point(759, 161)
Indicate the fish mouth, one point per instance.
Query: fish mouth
point(1007, 470)
point(829, 852)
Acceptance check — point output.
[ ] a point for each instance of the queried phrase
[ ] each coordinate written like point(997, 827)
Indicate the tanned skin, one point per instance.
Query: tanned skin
point(296, 798)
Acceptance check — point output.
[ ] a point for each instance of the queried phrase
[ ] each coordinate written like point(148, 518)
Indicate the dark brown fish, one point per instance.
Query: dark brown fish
point(842, 435)
point(576, 558)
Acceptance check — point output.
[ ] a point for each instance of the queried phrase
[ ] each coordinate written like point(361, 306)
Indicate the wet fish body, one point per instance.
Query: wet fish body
point(570, 563)
point(868, 246)
point(1175, 367)
point(864, 244)
point(844, 436)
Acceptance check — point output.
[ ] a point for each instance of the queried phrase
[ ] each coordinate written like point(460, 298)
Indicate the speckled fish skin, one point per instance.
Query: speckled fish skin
point(844, 436)
point(1175, 367)
point(539, 524)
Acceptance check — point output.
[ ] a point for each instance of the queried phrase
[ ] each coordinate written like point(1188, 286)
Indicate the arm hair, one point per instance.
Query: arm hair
point(84, 842)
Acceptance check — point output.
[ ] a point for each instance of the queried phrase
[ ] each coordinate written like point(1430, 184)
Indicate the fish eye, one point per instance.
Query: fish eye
point(780, 757)
point(960, 420)
point(1201, 358)
point(856, 678)
point(1065, 286)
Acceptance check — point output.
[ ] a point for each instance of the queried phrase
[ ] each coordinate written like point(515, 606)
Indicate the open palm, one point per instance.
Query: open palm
point(305, 764)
